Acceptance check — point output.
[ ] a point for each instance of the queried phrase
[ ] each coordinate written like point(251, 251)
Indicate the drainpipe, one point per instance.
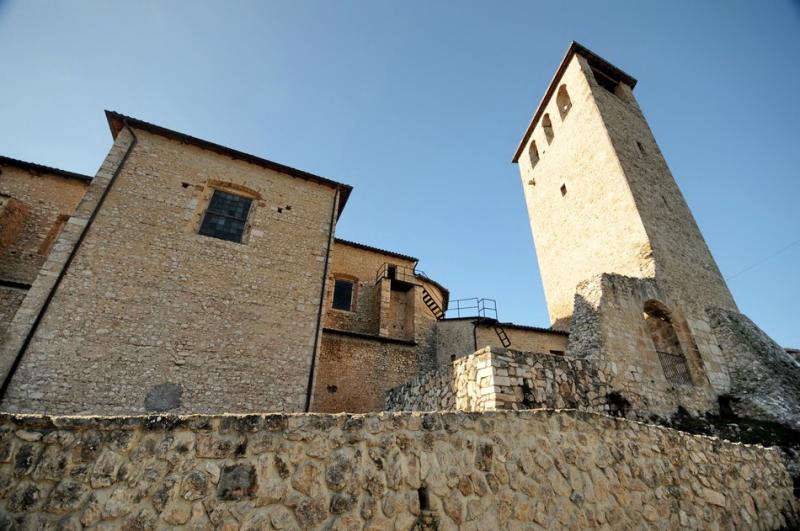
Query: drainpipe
point(63, 272)
point(310, 388)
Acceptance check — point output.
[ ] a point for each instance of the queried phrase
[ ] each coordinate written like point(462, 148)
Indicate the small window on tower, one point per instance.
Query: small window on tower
point(533, 153)
point(343, 295)
point(547, 125)
point(226, 216)
point(563, 190)
point(563, 101)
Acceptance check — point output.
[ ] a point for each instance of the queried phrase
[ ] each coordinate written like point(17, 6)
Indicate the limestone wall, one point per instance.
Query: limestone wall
point(151, 315)
point(32, 217)
point(353, 373)
point(608, 327)
point(494, 378)
point(555, 469)
point(592, 224)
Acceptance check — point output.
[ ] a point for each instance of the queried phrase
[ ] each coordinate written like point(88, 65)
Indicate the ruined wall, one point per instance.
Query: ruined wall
point(494, 378)
point(765, 379)
point(593, 226)
point(354, 373)
point(452, 470)
point(35, 214)
point(152, 315)
point(609, 327)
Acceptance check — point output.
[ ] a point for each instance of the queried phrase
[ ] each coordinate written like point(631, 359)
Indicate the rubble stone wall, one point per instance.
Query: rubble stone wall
point(495, 378)
point(765, 378)
point(557, 469)
point(354, 373)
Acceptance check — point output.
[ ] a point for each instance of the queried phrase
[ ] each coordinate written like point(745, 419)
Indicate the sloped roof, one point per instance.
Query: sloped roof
point(39, 168)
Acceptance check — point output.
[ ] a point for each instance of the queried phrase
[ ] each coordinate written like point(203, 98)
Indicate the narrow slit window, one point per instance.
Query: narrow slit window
point(533, 153)
point(343, 295)
point(563, 101)
point(547, 125)
point(226, 216)
point(563, 190)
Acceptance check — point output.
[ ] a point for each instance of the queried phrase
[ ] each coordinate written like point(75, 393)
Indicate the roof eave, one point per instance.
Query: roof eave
point(41, 168)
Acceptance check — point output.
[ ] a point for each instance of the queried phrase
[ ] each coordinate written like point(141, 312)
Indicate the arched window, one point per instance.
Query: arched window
point(666, 343)
point(547, 125)
point(563, 101)
point(533, 153)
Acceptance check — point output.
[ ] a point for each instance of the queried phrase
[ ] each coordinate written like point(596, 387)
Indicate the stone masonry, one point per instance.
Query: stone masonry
point(494, 378)
point(148, 305)
point(540, 469)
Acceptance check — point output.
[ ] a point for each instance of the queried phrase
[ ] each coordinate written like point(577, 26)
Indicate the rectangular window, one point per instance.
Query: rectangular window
point(226, 216)
point(343, 295)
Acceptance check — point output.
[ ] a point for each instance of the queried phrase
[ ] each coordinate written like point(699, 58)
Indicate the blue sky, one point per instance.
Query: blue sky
point(420, 105)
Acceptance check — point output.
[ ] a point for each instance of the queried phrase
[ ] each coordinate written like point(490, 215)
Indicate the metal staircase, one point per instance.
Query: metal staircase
point(432, 305)
point(502, 335)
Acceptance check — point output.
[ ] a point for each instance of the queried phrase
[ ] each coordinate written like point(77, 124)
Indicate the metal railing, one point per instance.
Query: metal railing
point(396, 272)
point(474, 307)
point(675, 368)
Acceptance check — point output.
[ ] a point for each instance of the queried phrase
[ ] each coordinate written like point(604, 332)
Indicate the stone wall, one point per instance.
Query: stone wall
point(10, 300)
point(34, 215)
point(353, 373)
point(765, 378)
point(460, 336)
point(593, 225)
point(554, 469)
point(359, 265)
point(608, 327)
point(151, 315)
point(494, 378)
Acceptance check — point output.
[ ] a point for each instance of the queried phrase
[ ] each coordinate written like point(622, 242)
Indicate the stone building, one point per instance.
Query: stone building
point(191, 277)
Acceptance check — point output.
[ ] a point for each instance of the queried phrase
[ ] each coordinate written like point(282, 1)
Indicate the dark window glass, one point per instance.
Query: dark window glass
point(226, 216)
point(343, 295)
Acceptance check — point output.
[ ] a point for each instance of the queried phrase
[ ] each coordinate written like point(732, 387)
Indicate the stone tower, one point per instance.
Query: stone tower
point(600, 196)
point(624, 266)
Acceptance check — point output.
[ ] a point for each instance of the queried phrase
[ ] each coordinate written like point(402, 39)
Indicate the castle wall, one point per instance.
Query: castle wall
point(609, 326)
point(593, 227)
point(354, 373)
point(151, 315)
point(382, 471)
point(492, 379)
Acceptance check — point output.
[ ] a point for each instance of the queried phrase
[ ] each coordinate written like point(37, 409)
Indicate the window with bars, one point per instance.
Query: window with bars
point(226, 216)
point(343, 295)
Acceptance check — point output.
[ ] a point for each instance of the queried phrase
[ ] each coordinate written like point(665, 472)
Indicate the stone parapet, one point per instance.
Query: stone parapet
point(511, 469)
